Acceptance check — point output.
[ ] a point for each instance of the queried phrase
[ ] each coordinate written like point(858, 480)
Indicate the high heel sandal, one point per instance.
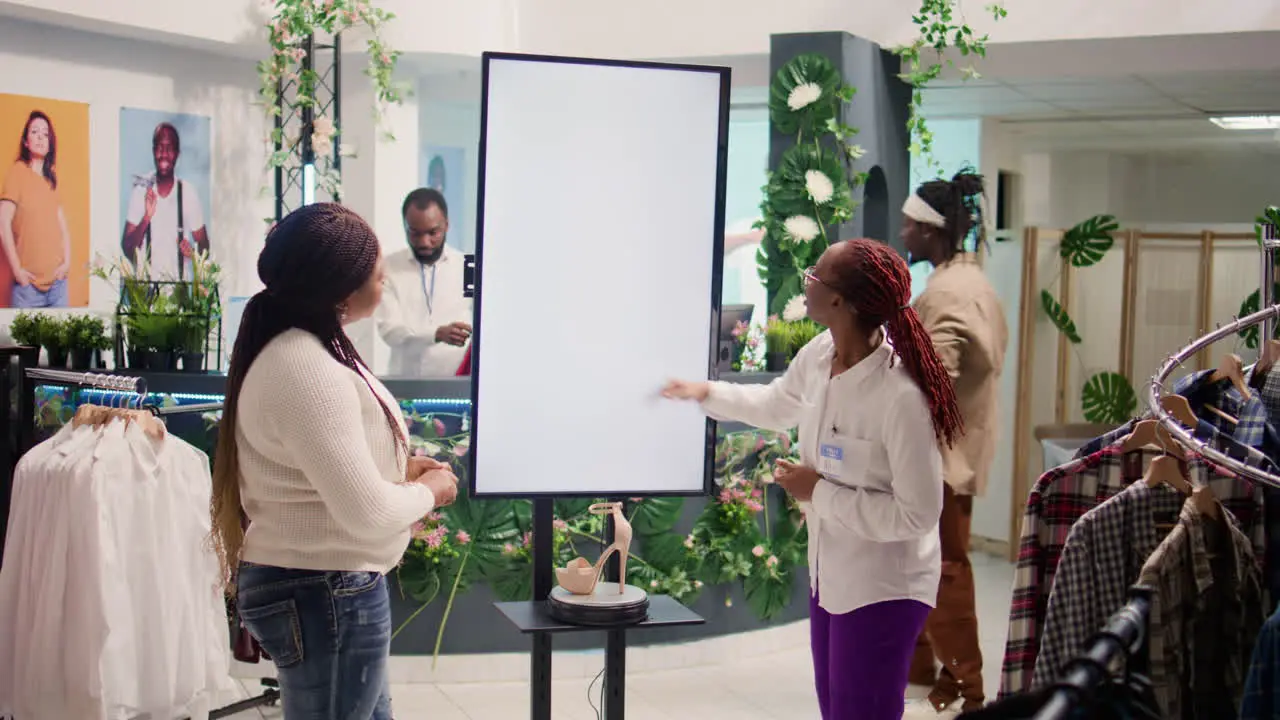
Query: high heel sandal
point(579, 576)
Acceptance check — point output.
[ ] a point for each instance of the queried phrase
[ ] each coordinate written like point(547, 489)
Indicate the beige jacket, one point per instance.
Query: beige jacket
point(966, 320)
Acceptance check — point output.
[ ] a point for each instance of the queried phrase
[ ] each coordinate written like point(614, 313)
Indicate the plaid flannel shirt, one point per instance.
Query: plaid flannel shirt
point(1206, 612)
point(1262, 688)
point(1061, 497)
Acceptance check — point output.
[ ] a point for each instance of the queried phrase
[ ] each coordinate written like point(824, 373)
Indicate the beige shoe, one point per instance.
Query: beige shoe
point(924, 709)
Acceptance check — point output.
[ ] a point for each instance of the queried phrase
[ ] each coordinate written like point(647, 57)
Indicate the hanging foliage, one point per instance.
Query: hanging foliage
point(1059, 317)
point(811, 189)
point(1108, 398)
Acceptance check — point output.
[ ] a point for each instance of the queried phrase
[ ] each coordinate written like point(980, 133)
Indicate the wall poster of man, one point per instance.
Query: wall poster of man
point(165, 185)
point(443, 169)
point(44, 202)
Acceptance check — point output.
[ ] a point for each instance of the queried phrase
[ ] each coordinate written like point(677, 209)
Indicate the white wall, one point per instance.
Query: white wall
point(108, 74)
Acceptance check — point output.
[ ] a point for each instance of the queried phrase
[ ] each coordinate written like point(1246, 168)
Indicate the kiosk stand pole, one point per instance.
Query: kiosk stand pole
point(543, 580)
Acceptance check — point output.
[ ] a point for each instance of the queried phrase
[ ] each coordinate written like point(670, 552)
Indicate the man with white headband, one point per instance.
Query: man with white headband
point(966, 321)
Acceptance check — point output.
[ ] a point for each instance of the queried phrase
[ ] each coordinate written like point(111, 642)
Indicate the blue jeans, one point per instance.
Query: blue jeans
point(30, 296)
point(329, 635)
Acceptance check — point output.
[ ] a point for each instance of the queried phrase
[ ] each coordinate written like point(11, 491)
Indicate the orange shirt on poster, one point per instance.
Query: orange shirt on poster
point(37, 231)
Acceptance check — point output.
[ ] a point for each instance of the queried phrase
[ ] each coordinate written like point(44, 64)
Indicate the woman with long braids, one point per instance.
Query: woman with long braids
point(873, 404)
point(314, 491)
point(966, 322)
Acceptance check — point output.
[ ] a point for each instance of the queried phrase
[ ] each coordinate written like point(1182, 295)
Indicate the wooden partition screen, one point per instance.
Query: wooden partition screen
point(1151, 294)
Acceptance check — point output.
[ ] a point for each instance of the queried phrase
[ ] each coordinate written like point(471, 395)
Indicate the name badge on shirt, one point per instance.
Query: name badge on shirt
point(829, 459)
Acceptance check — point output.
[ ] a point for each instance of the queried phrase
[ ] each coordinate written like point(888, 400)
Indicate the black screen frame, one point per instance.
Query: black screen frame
point(717, 281)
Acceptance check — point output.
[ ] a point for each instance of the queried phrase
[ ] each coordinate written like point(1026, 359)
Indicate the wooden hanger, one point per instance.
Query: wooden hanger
point(1232, 368)
point(1180, 409)
point(1165, 470)
point(99, 416)
point(1150, 433)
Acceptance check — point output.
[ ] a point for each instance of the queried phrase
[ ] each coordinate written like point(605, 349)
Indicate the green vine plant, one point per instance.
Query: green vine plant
point(1253, 303)
point(1106, 397)
point(942, 27)
point(291, 23)
point(811, 189)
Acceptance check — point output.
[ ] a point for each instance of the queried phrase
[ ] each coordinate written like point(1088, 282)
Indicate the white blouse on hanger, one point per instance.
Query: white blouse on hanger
point(109, 591)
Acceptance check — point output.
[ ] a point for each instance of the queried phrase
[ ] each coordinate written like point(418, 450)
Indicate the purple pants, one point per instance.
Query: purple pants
point(861, 658)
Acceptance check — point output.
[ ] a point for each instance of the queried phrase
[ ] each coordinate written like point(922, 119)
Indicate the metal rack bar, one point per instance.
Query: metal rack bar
point(1183, 437)
point(192, 408)
point(119, 383)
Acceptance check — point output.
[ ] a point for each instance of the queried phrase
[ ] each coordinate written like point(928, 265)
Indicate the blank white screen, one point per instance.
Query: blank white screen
point(596, 277)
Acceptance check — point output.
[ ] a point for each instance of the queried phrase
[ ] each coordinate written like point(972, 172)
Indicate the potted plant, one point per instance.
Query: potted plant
point(778, 340)
point(54, 338)
point(25, 329)
point(193, 332)
point(87, 336)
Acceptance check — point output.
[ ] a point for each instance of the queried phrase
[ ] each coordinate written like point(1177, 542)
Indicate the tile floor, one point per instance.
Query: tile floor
point(755, 676)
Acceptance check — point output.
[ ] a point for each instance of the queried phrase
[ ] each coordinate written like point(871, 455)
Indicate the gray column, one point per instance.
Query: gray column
point(879, 110)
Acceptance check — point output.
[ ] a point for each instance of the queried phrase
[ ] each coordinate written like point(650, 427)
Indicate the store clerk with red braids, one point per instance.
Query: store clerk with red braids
point(873, 403)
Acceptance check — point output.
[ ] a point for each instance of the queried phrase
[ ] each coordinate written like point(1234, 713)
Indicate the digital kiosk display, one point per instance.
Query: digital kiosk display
point(598, 269)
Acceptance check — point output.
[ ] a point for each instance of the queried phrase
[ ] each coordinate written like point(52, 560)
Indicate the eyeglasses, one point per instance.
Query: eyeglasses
point(808, 275)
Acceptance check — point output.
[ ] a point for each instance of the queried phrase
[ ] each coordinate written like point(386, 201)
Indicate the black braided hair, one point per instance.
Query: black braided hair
point(313, 260)
point(959, 200)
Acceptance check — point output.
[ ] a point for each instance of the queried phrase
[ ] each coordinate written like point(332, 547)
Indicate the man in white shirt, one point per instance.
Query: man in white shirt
point(165, 224)
point(424, 316)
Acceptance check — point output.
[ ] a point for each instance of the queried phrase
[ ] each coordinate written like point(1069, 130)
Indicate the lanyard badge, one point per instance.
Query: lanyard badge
point(428, 294)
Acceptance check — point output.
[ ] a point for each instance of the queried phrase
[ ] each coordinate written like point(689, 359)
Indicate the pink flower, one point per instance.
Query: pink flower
point(435, 538)
point(772, 561)
point(461, 449)
point(754, 506)
point(740, 329)
point(418, 531)
point(759, 443)
point(508, 549)
point(756, 493)
point(688, 541)
point(559, 524)
point(438, 424)
point(636, 500)
point(463, 537)
point(758, 551)
point(386, 59)
point(527, 540)
point(724, 497)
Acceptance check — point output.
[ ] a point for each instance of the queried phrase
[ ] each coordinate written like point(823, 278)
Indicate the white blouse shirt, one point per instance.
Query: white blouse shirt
point(873, 518)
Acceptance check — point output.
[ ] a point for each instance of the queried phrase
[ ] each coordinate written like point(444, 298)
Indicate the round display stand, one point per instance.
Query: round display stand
point(605, 607)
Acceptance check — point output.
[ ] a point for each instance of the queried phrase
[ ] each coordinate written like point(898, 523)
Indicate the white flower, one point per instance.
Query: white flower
point(321, 146)
point(804, 95)
point(802, 228)
point(855, 151)
point(795, 309)
point(819, 186)
point(322, 126)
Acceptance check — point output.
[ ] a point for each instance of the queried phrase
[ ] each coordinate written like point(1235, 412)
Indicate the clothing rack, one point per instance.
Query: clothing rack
point(137, 385)
point(1266, 317)
point(1124, 637)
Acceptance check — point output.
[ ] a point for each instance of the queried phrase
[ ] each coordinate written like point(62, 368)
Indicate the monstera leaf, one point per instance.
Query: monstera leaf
point(768, 593)
point(653, 516)
point(1086, 243)
point(811, 73)
point(1251, 305)
point(1108, 398)
point(491, 525)
point(1059, 317)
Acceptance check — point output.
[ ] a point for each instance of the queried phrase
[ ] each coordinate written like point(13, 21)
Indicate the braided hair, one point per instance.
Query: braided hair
point(959, 200)
point(313, 260)
point(875, 280)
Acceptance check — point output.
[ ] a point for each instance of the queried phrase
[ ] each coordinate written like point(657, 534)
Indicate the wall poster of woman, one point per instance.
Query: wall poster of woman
point(44, 202)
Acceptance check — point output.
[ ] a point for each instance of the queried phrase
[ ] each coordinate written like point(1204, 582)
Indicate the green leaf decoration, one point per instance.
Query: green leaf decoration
point(418, 579)
point(490, 523)
point(802, 70)
point(767, 593)
point(656, 515)
point(1270, 216)
point(1086, 243)
point(665, 552)
point(1059, 317)
point(1251, 305)
point(514, 582)
point(789, 195)
point(1108, 398)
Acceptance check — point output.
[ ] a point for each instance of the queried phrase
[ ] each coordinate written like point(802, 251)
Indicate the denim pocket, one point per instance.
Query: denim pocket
point(277, 629)
point(351, 583)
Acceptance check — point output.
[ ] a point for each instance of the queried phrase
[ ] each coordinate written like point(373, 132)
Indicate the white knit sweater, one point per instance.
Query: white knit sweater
point(321, 479)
